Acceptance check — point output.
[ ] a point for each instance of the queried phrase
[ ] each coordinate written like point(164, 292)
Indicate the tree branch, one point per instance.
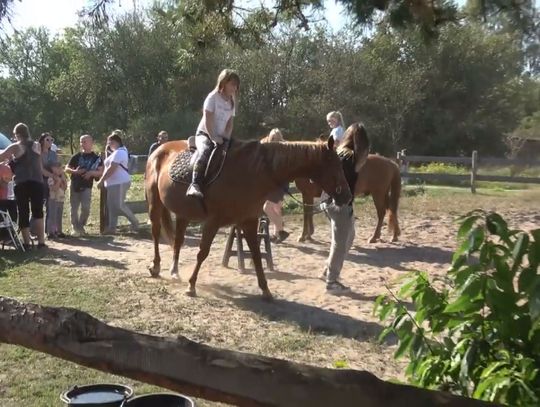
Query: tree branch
point(199, 370)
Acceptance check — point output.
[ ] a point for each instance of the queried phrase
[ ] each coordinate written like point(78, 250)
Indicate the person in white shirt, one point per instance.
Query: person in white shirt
point(216, 125)
point(117, 180)
point(336, 123)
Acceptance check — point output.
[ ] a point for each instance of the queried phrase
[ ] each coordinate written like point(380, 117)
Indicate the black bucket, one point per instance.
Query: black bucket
point(160, 400)
point(97, 395)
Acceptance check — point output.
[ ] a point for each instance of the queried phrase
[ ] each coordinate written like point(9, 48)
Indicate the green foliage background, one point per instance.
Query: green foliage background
point(466, 89)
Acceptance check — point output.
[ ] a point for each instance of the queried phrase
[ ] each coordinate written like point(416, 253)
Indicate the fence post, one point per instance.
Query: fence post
point(474, 169)
point(102, 204)
point(403, 164)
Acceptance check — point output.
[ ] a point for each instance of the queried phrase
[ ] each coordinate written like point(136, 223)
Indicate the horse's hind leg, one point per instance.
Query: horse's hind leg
point(379, 199)
point(155, 210)
point(209, 232)
point(181, 225)
point(250, 233)
point(308, 218)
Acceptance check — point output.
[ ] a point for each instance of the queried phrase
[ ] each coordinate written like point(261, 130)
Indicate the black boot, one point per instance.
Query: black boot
point(198, 175)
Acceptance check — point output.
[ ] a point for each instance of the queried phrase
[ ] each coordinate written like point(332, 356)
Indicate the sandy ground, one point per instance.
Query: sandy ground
point(427, 243)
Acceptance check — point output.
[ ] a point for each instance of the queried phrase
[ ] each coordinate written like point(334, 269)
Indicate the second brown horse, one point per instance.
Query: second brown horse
point(380, 178)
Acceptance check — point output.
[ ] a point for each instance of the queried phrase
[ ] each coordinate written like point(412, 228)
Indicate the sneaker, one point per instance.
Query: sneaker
point(336, 287)
point(195, 191)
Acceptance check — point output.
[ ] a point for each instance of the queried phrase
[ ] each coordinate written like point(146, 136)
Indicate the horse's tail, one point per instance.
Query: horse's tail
point(393, 201)
point(166, 223)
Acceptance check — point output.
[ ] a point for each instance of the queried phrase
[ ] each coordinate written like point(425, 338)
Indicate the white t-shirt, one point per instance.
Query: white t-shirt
point(120, 175)
point(223, 110)
point(337, 133)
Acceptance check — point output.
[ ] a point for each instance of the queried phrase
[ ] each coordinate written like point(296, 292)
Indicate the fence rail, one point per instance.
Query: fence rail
point(474, 162)
point(137, 165)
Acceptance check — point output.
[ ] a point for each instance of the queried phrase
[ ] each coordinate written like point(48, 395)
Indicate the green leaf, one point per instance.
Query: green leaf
point(467, 362)
point(466, 226)
point(470, 291)
point(404, 345)
point(520, 249)
point(534, 299)
point(476, 238)
point(496, 225)
point(491, 368)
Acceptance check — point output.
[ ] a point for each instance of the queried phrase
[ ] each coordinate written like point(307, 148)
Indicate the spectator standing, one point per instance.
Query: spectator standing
point(161, 138)
point(116, 180)
point(84, 167)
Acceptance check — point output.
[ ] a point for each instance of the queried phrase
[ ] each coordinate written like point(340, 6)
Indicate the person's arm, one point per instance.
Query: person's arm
point(9, 152)
point(229, 127)
point(209, 124)
point(108, 172)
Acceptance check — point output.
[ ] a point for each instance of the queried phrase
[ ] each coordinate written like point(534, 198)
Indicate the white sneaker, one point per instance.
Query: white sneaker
point(195, 191)
point(336, 287)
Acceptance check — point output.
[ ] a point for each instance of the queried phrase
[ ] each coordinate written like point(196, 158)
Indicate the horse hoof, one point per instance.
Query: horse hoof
point(153, 272)
point(301, 239)
point(175, 276)
point(267, 296)
point(191, 292)
point(372, 240)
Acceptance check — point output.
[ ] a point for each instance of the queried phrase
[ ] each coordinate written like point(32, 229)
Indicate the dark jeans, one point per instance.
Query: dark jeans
point(29, 195)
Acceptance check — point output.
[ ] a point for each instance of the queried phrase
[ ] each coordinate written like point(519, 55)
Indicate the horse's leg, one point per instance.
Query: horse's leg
point(181, 225)
point(249, 228)
point(308, 218)
point(155, 211)
point(379, 199)
point(208, 233)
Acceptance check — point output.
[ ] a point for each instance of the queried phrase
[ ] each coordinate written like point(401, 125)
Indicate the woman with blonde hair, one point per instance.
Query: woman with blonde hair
point(336, 123)
point(274, 203)
point(215, 126)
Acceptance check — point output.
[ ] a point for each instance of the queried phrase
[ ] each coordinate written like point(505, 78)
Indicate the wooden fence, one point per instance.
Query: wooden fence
point(137, 165)
point(474, 162)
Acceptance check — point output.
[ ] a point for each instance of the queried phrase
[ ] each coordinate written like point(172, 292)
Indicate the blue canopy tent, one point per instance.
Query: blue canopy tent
point(4, 141)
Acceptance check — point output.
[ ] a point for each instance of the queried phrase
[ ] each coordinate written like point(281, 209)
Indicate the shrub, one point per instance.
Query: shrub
point(478, 335)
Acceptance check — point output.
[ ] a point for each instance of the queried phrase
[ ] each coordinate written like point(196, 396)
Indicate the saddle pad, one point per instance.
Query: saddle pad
point(181, 168)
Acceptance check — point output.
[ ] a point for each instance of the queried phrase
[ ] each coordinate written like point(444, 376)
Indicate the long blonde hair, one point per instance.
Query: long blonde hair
point(227, 75)
point(275, 136)
point(338, 116)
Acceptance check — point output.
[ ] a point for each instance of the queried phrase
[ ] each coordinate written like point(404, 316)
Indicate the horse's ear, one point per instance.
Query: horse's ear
point(330, 143)
point(361, 146)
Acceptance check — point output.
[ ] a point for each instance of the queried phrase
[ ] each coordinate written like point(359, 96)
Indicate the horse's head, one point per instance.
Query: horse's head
point(356, 139)
point(330, 177)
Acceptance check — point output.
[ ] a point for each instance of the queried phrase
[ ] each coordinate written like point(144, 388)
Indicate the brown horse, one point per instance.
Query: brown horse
point(250, 172)
point(380, 178)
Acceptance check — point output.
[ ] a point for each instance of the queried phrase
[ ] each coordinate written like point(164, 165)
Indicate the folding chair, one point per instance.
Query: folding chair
point(7, 225)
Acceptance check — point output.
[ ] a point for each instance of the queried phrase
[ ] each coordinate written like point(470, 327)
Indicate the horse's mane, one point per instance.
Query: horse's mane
point(290, 153)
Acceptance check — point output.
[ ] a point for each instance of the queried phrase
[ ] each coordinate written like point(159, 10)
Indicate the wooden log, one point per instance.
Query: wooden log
point(199, 370)
point(436, 177)
point(502, 178)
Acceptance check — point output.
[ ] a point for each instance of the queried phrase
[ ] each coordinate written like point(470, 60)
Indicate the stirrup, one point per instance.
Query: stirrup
point(195, 191)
